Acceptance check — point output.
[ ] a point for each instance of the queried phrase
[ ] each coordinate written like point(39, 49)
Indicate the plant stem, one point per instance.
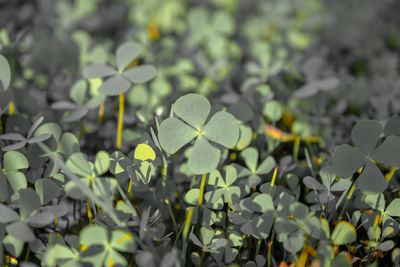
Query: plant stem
point(120, 120)
point(172, 216)
point(296, 147)
point(203, 182)
point(101, 113)
point(89, 211)
point(353, 187)
point(270, 243)
point(202, 258)
point(27, 254)
point(273, 181)
point(257, 248)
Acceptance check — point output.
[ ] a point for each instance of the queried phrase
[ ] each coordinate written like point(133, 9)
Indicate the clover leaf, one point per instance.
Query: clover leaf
point(90, 174)
point(29, 216)
point(112, 242)
point(81, 103)
point(254, 170)
point(207, 241)
point(13, 163)
point(347, 160)
point(29, 139)
point(193, 110)
point(255, 215)
point(225, 186)
point(5, 72)
point(120, 79)
point(138, 164)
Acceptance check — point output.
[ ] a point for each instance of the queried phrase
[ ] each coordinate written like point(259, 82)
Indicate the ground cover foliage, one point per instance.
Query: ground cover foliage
point(199, 133)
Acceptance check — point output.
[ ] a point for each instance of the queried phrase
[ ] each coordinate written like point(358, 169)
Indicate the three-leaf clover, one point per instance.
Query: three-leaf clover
point(135, 165)
point(29, 216)
point(207, 241)
point(255, 215)
point(90, 174)
point(81, 104)
point(192, 111)
point(225, 187)
point(254, 170)
point(112, 242)
point(347, 160)
point(120, 79)
point(29, 139)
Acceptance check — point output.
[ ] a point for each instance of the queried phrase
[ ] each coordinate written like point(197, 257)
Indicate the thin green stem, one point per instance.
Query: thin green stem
point(257, 248)
point(120, 120)
point(203, 182)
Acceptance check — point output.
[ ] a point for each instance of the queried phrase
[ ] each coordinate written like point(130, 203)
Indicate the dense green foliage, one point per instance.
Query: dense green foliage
point(199, 133)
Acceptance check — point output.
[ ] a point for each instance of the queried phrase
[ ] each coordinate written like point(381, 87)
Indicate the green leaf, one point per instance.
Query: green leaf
point(223, 22)
point(174, 134)
point(392, 127)
point(343, 233)
point(98, 70)
point(126, 53)
point(49, 128)
point(78, 92)
point(14, 160)
point(343, 259)
point(222, 129)
point(5, 72)
point(206, 235)
point(141, 74)
point(388, 152)
point(41, 219)
point(193, 109)
point(4, 194)
point(114, 259)
point(204, 157)
point(7, 215)
point(266, 166)
point(365, 135)
point(101, 163)
point(115, 85)
point(250, 157)
point(123, 241)
point(347, 160)
point(273, 110)
point(230, 175)
point(264, 203)
point(93, 234)
point(192, 196)
point(394, 208)
point(29, 202)
point(68, 144)
point(144, 152)
point(17, 180)
point(371, 180)
point(79, 165)
point(21, 231)
point(13, 245)
point(47, 190)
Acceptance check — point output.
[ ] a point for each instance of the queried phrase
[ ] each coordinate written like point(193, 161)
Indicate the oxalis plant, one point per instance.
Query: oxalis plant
point(191, 123)
point(248, 143)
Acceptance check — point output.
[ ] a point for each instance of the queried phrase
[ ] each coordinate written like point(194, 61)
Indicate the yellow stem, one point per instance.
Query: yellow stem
point(101, 113)
point(186, 224)
point(89, 211)
point(203, 182)
point(389, 175)
point(172, 216)
point(274, 177)
point(120, 120)
point(11, 108)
